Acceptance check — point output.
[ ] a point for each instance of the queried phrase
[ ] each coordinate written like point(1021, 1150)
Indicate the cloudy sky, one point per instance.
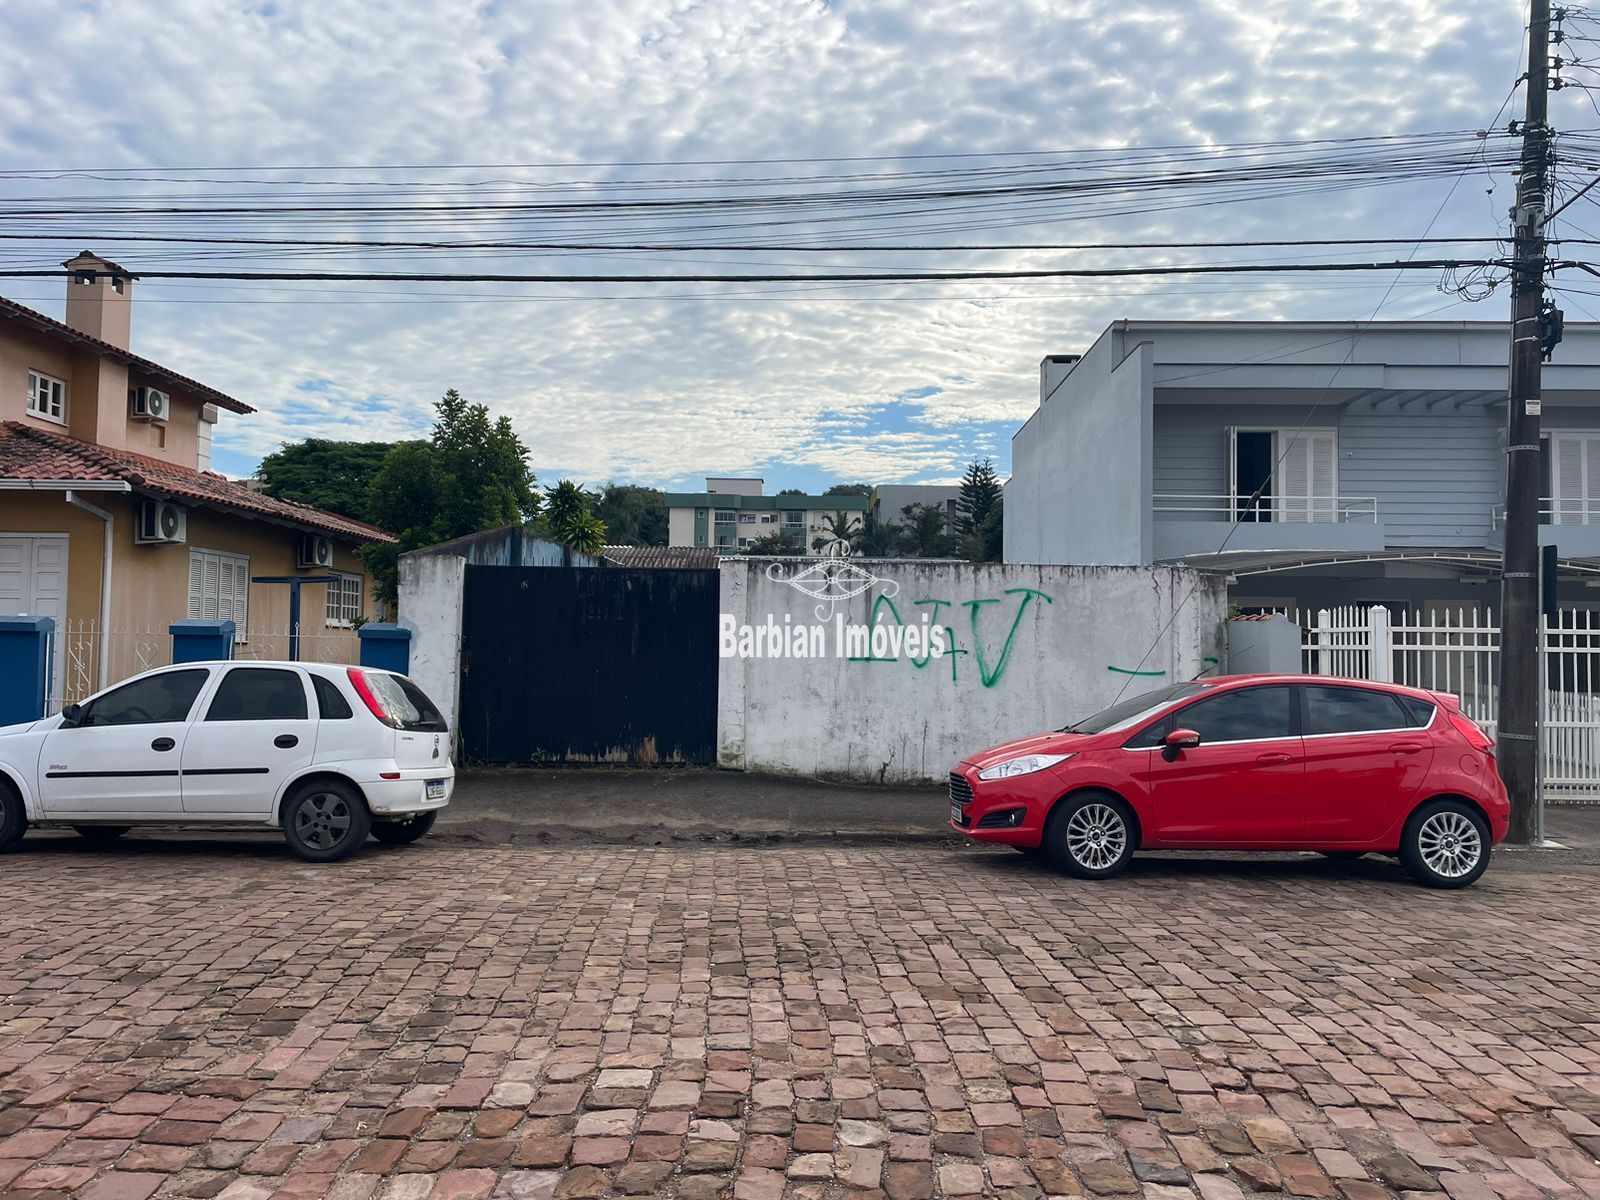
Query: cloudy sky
point(665, 383)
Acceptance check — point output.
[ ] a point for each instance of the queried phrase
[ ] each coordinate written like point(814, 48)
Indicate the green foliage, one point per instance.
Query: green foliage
point(633, 516)
point(980, 513)
point(875, 539)
point(842, 525)
point(570, 521)
point(792, 492)
point(778, 542)
point(924, 532)
point(471, 474)
point(849, 489)
point(324, 473)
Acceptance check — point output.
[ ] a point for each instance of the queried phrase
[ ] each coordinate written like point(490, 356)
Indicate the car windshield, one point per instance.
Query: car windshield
point(1129, 712)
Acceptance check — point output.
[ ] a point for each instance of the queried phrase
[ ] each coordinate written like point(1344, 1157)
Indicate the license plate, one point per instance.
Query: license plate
point(435, 789)
point(956, 814)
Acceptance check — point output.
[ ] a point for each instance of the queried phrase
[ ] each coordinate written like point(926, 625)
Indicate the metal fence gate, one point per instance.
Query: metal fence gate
point(589, 664)
point(1457, 650)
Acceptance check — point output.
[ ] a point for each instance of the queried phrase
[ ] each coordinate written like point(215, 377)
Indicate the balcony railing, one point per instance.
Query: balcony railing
point(1288, 510)
point(1557, 512)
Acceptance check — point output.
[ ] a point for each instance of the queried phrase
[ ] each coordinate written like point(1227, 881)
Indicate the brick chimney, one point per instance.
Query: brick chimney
point(99, 298)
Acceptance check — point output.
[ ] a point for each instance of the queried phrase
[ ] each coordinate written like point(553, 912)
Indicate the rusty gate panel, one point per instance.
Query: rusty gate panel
point(589, 664)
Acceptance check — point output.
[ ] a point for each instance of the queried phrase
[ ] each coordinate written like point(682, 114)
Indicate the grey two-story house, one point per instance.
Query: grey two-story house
point(1318, 463)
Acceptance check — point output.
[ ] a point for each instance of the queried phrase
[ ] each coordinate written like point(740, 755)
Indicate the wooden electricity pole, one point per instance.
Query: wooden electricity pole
point(1521, 688)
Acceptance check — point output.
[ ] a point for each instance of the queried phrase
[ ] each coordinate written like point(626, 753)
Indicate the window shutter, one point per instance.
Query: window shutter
point(1591, 475)
point(1324, 472)
point(210, 593)
point(1292, 477)
point(241, 594)
point(1567, 468)
point(197, 582)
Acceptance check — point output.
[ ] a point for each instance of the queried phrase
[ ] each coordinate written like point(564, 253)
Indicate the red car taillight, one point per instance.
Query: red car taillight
point(1473, 732)
point(358, 680)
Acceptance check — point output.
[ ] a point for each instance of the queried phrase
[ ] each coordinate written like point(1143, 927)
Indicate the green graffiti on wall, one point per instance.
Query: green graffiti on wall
point(990, 671)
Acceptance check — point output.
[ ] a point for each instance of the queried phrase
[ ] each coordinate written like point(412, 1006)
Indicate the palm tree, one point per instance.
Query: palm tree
point(838, 526)
point(570, 522)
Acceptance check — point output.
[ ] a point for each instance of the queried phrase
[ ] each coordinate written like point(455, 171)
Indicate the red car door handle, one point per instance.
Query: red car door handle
point(1405, 747)
point(1273, 759)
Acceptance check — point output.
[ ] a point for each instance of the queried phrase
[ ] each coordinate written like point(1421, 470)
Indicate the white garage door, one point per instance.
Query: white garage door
point(33, 583)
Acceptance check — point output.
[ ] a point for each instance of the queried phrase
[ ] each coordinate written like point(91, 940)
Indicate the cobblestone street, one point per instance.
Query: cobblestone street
point(450, 1021)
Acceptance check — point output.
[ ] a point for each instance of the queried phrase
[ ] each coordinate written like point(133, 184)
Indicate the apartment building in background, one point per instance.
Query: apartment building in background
point(732, 513)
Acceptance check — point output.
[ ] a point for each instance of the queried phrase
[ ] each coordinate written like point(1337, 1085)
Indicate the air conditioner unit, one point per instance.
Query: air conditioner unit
point(161, 523)
point(151, 405)
point(315, 551)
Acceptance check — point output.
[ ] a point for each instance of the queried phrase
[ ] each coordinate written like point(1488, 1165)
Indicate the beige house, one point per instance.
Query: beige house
point(113, 523)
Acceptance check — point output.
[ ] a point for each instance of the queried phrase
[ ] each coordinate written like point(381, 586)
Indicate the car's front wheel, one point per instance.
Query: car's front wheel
point(13, 816)
point(1445, 844)
point(404, 832)
point(325, 820)
point(1090, 835)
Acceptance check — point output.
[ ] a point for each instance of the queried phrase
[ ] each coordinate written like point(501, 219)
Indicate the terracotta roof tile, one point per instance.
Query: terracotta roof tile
point(21, 312)
point(661, 557)
point(27, 452)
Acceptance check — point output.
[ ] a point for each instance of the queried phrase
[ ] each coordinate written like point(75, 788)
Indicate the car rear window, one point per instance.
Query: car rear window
point(1353, 710)
point(1420, 711)
point(406, 703)
point(331, 704)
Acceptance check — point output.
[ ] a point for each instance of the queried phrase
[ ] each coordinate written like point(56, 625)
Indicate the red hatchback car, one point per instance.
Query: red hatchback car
point(1248, 762)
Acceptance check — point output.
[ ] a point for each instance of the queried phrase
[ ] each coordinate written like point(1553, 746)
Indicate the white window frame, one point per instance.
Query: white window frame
point(344, 602)
point(1287, 506)
point(47, 397)
point(228, 576)
point(794, 518)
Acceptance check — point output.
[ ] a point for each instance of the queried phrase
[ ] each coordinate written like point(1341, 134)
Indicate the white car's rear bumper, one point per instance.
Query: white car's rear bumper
point(410, 793)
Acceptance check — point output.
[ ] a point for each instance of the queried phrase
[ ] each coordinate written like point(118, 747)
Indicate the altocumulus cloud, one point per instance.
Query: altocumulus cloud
point(658, 385)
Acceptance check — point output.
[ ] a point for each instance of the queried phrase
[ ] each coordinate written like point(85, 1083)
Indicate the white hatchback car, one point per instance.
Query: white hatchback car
point(326, 753)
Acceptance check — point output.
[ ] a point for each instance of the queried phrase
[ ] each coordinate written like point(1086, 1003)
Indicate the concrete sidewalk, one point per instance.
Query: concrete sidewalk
point(521, 806)
point(660, 806)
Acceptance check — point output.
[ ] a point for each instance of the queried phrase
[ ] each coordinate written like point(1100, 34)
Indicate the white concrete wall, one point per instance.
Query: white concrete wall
point(680, 526)
point(1080, 468)
point(431, 588)
point(1035, 648)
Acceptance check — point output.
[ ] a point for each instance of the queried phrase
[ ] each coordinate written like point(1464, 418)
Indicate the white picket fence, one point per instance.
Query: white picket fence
point(1457, 650)
point(132, 648)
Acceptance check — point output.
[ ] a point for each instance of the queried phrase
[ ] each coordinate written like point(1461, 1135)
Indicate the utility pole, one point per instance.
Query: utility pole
point(1521, 688)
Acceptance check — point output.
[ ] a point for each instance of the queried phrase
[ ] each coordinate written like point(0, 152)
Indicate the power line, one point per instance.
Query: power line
point(1432, 264)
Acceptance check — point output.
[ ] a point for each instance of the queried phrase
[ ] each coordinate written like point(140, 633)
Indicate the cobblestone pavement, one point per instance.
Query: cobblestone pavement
point(446, 1021)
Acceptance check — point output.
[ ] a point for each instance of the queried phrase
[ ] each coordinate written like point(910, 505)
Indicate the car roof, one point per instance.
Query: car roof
point(1230, 681)
point(316, 668)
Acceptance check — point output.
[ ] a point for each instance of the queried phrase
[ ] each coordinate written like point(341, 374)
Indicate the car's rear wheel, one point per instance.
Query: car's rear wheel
point(1445, 844)
point(13, 816)
point(325, 820)
point(403, 833)
point(1090, 835)
point(100, 833)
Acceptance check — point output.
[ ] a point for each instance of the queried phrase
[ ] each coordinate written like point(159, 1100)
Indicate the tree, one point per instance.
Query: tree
point(324, 473)
point(849, 489)
point(570, 521)
point(778, 542)
point(471, 474)
point(925, 532)
point(633, 516)
point(792, 492)
point(980, 494)
point(841, 525)
point(875, 539)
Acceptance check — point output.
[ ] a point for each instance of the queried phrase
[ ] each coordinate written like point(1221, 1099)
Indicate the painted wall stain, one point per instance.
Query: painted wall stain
point(990, 671)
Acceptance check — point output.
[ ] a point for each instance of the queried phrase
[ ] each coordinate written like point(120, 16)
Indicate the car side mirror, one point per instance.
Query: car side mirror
point(1178, 739)
point(72, 716)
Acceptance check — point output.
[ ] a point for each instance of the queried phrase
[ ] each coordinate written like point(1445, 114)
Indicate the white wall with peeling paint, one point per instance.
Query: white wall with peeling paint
point(1035, 647)
point(430, 606)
